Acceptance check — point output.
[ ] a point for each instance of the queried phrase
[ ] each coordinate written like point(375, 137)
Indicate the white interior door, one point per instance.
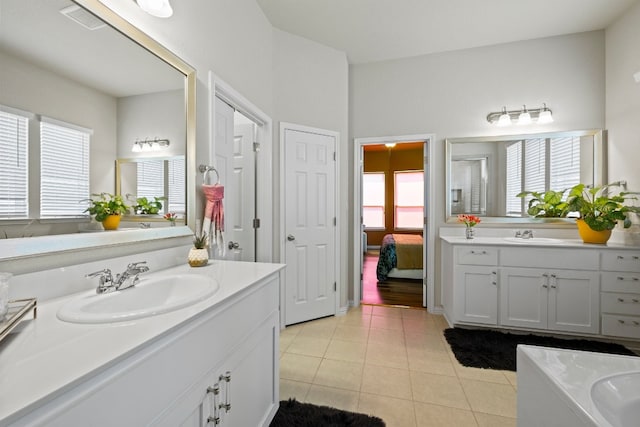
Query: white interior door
point(310, 231)
point(235, 165)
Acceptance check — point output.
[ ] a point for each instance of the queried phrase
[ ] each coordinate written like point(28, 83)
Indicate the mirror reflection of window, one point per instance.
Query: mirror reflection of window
point(14, 137)
point(469, 177)
point(549, 164)
point(373, 195)
point(409, 199)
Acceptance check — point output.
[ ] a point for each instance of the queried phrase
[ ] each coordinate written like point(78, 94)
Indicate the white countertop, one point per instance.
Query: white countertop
point(48, 356)
point(501, 241)
point(573, 372)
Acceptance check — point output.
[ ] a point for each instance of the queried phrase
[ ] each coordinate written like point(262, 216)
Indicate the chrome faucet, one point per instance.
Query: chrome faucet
point(526, 234)
point(125, 280)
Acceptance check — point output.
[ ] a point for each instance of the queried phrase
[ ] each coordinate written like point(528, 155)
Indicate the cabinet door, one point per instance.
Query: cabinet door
point(523, 297)
point(574, 304)
point(476, 294)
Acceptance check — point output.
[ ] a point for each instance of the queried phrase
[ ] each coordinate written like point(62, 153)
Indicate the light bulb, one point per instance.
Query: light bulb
point(525, 117)
point(545, 115)
point(136, 147)
point(505, 119)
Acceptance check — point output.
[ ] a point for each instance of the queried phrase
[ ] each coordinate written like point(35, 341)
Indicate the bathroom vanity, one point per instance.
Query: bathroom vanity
point(542, 284)
point(214, 362)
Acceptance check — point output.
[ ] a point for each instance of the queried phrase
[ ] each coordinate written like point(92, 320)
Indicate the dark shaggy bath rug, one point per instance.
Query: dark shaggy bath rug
point(295, 414)
point(497, 350)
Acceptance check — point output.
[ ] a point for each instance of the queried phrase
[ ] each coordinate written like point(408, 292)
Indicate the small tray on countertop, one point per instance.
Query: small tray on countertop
point(17, 310)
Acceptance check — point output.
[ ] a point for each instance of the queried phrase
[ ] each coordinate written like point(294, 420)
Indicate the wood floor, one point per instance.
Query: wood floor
point(401, 292)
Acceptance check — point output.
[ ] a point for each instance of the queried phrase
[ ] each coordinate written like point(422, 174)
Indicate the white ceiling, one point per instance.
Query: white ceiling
point(378, 30)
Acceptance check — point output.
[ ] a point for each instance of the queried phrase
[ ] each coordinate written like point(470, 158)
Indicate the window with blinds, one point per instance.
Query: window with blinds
point(546, 164)
point(409, 199)
point(64, 169)
point(177, 179)
point(14, 173)
point(150, 177)
point(514, 178)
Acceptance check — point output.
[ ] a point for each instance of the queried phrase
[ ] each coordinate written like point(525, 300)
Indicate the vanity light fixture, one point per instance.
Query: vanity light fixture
point(150, 145)
point(524, 116)
point(157, 8)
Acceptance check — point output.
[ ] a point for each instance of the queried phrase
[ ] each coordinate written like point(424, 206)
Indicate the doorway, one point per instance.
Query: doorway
point(246, 162)
point(366, 250)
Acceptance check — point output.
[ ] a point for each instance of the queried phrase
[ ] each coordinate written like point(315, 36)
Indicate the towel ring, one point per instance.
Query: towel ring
point(204, 169)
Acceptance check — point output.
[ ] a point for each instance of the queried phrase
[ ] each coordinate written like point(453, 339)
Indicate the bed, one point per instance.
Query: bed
point(400, 257)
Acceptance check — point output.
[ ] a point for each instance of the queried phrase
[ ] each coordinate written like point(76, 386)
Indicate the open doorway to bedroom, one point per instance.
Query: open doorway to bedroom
point(392, 184)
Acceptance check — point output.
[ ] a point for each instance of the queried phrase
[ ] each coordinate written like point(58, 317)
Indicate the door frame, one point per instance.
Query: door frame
point(429, 227)
point(265, 243)
point(282, 239)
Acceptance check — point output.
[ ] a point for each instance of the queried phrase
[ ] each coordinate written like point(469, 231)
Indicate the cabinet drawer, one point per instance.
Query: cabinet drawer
point(477, 255)
point(550, 258)
point(621, 326)
point(621, 261)
point(620, 303)
point(620, 282)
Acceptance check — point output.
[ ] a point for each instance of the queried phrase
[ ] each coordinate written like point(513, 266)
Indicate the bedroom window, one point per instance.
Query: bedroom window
point(373, 200)
point(409, 199)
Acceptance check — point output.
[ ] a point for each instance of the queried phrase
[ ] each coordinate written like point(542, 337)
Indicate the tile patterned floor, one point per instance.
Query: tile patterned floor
point(393, 363)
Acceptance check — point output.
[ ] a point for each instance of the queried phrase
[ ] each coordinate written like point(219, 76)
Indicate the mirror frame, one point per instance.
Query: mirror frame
point(17, 248)
point(599, 171)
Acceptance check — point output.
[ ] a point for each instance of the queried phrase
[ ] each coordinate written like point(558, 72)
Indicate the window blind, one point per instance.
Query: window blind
point(177, 179)
point(14, 136)
point(64, 169)
point(150, 175)
point(564, 163)
point(373, 195)
point(514, 178)
point(409, 199)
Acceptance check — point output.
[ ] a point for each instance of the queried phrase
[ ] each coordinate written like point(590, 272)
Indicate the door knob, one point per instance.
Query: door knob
point(291, 237)
point(234, 245)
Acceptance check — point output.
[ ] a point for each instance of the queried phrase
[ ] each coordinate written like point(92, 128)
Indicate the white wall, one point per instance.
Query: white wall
point(311, 89)
point(623, 98)
point(155, 115)
point(450, 94)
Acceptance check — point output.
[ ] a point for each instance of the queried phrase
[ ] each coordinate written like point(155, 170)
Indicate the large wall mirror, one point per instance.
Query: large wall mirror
point(484, 174)
point(97, 73)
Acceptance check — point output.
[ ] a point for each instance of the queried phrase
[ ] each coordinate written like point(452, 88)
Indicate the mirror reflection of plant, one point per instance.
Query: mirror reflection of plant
point(145, 206)
point(104, 204)
point(600, 210)
point(549, 204)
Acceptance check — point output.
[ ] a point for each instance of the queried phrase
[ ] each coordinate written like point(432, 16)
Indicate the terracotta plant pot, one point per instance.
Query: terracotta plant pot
point(591, 236)
point(111, 222)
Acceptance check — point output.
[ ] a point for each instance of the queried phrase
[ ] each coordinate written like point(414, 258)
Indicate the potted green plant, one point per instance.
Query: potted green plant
point(145, 206)
point(599, 210)
point(546, 205)
point(107, 209)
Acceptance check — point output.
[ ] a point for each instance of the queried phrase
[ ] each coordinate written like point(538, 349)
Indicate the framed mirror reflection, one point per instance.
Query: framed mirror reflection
point(484, 175)
point(70, 66)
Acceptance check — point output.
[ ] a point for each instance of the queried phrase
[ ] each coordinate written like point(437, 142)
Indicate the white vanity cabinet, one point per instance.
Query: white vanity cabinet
point(513, 286)
point(476, 289)
point(620, 296)
point(169, 381)
point(558, 300)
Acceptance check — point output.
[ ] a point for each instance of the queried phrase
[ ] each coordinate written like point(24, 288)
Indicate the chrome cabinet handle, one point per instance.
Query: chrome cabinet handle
point(620, 299)
point(291, 237)
point(478, 253)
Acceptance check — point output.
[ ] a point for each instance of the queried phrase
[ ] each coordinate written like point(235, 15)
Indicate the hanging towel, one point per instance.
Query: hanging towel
point(213, 223)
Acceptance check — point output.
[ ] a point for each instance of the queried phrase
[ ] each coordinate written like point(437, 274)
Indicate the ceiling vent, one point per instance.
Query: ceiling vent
point(82, 17)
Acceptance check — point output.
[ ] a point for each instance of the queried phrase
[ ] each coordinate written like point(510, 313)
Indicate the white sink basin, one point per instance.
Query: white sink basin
point(617, 398)
point(149, 297)
point(534, 240)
